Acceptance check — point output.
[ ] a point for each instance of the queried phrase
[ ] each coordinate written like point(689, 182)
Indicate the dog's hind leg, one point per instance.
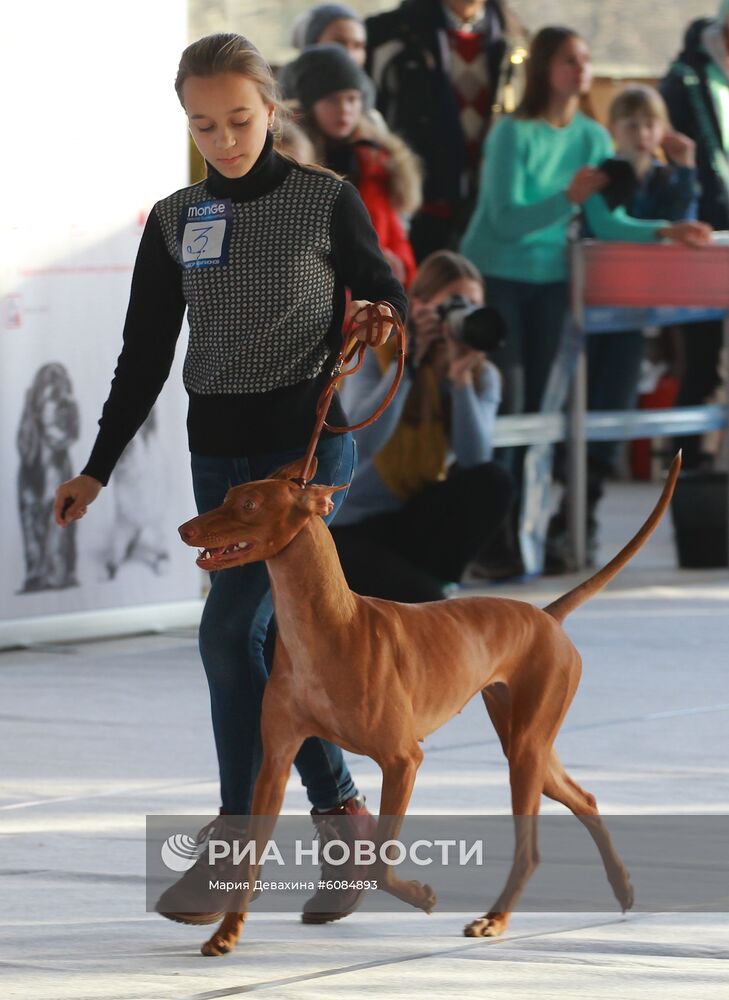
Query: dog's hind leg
point(498, 704)
point(561, 787)
point(398, 779)
point(527, 765)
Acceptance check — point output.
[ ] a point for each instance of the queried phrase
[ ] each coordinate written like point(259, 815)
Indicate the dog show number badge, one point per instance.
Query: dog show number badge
point(205, 234)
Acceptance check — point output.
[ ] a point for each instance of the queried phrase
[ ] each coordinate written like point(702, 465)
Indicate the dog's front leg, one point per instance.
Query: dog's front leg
point(398, 778)
point(268, 797)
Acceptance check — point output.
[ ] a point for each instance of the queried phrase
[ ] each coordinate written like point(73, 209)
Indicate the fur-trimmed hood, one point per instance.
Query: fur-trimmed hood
point(406, 174)
point(405, 188)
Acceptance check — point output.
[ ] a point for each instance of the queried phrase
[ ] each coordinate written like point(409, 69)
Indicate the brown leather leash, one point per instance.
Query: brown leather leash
point(353, 347)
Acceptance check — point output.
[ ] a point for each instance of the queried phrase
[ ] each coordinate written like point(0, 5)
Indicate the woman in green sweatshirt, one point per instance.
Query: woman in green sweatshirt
point(540, 167)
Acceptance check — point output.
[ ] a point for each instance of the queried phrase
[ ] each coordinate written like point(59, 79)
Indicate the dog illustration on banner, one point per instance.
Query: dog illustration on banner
point(138, 505)
point(49, 425)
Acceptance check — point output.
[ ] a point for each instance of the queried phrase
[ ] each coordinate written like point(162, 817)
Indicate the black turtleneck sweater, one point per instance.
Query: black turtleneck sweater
point(261, 263)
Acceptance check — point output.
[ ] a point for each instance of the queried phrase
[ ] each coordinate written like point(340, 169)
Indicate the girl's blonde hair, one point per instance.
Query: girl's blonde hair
point(231, 53)
point(637, 99)
point(440, 269)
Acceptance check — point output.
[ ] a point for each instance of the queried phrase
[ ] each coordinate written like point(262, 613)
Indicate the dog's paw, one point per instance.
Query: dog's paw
point(216, 946)
point(428, 899)
point(226, 937)
point(490, 925)
point(621, 885)
point(418, 895)
point(413, 893)
point(624, 893)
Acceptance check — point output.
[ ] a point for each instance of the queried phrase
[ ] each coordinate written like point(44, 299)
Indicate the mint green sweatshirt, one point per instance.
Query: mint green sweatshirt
point(519, 227)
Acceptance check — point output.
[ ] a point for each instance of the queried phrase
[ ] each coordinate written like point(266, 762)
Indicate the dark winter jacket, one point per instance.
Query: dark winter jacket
point(414, 93)
point(685, 89)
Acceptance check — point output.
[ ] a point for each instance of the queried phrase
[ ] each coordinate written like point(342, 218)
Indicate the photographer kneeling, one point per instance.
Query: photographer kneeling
point(426, 498)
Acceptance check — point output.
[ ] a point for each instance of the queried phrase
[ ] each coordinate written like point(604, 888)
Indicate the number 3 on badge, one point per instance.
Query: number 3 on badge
point(206, 233)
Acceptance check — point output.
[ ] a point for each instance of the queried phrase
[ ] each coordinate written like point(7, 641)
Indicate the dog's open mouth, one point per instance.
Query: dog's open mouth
point(220, 555)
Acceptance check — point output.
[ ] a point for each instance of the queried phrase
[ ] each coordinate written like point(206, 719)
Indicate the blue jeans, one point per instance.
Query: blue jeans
point(534, 315)
point(232, 639)
point(613, 374)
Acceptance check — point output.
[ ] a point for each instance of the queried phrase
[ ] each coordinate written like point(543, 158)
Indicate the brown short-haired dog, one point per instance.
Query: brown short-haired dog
point(394, 690)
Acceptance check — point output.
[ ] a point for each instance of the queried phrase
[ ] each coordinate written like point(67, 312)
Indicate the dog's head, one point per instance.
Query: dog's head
point(257, 520)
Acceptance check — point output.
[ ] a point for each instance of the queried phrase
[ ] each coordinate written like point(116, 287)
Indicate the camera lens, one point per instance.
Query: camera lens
point(483, 329)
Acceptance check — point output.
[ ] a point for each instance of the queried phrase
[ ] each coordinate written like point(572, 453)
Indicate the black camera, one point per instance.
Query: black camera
point(478, 327)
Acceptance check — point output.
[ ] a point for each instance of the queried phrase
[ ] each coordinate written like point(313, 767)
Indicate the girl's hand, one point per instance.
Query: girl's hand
point(690, 233)
point(465, 364)
point(586, 182)
point(359, 325)
point(679, 149)
point(426, 329)
point(73, 497)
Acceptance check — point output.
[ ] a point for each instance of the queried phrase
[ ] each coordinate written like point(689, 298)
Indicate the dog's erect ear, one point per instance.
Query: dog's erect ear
point(318, 499)
point(294, 470)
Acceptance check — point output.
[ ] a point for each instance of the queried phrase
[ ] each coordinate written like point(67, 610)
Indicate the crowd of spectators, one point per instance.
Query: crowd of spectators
point(476, 152)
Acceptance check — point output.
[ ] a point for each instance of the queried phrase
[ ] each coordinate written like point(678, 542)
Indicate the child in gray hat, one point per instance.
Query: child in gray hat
point(329, 88)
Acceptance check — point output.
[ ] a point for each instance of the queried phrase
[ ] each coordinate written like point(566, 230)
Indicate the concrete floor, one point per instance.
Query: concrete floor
point(94, 736)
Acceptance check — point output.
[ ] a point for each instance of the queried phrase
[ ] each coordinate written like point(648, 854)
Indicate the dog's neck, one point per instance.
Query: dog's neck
point(308, 585)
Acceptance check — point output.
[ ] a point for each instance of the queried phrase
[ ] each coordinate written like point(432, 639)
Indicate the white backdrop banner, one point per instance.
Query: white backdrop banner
point(98, 137)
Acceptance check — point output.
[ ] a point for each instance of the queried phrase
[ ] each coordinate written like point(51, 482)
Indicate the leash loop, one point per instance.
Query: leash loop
point(353, 347)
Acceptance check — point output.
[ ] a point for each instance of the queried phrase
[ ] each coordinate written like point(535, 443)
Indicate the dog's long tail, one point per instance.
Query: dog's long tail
point(560, 608)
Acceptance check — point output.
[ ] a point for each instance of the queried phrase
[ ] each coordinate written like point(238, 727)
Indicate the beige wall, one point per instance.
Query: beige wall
point(636, 37)
point(268, 23)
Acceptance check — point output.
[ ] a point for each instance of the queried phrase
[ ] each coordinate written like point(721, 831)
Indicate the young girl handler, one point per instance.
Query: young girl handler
point(259, 253)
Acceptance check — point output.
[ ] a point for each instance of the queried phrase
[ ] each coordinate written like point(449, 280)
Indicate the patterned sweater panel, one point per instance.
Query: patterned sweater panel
point(259, 314)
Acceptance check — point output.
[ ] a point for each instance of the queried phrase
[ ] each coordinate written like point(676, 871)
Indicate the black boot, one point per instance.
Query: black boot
point(501, 559)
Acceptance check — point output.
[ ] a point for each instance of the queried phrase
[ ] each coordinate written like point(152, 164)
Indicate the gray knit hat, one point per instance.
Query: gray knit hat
point(322, 70)
point(322, 16)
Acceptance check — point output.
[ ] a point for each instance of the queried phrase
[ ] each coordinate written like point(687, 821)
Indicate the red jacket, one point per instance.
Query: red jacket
point(372, 178)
